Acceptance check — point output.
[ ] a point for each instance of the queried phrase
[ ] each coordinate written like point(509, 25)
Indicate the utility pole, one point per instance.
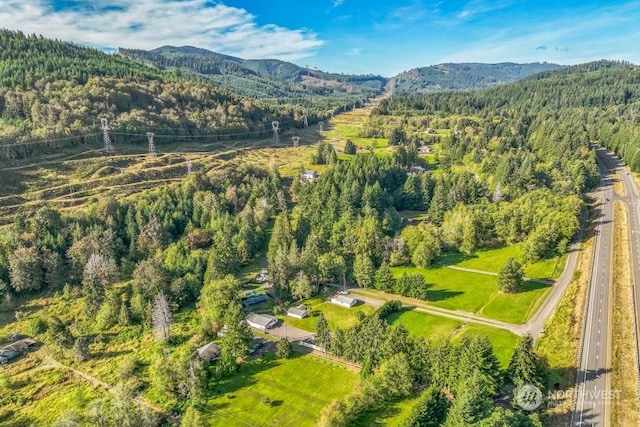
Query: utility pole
point(108, 147)
point(189, 166)
point(152, 146)
point(296, 140)
point(306, 123)
point(276, 127)
point(321, 126)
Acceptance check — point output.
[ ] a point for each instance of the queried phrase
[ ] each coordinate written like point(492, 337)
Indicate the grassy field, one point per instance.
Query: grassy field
point(39, 397)
point(425, 325)
point(297, 389)
point(492, 260)
point(337, 316)
point(511, 307)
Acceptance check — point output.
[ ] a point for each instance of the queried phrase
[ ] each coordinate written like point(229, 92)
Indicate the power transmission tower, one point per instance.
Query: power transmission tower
point(331, 112)
point(152, 146)
point(296, 140)
point(276, 127)
point(321, 126)
point(189, 165)
point(306, 123)
point(108, 147)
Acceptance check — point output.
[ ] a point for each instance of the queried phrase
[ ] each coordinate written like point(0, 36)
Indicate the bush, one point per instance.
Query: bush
point(37, 325)
point(389, 307)
point(360, 315)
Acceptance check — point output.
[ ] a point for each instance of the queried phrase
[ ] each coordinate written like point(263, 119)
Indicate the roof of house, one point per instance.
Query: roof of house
point(209, 351)
point(19, 345)
point(300, 310)
point(343, 299)
point(254, 299)
point(263, 320)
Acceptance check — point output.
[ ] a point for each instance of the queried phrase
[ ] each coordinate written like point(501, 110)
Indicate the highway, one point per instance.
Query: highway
point(593, 382)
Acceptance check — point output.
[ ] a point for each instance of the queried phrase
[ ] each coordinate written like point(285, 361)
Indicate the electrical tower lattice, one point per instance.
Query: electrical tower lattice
point(276, 127)
point(296, 141)
point(108, 147)
point(152, 146)
point(321, 126)
point(189, 166)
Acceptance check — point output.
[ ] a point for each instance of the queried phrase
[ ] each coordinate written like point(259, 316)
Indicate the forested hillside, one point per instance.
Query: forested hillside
point(557, 113)
point(260, 78)
point(50, 89)
point(447, 77)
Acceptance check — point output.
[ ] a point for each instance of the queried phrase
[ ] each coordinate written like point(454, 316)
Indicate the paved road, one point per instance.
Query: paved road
point(593, 382)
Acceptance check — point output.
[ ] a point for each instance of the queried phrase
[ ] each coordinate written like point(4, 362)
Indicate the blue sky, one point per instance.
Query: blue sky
point(351, 36)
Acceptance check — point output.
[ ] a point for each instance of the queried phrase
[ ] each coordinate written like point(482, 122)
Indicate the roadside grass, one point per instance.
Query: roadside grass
point(337, 316)
point(618, 187)
point(558, 344)
point(425, 325)
point(504, 342)
point(38, 398)
point(288, 392)
point(624, 409)
point(509, 307)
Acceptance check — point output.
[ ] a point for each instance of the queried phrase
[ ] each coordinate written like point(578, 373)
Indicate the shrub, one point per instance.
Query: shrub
point(37, 325)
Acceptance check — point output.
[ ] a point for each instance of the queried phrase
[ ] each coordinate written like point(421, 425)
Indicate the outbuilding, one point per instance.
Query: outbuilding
point(309, 175)
point(343, 300)
point(299, 312)
point(209, 352)
point(14, 350)
point(261, 322)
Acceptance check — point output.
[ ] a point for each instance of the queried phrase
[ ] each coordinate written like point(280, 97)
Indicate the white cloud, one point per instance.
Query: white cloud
point(354, 51)
point(147, 24)
point(337, 3)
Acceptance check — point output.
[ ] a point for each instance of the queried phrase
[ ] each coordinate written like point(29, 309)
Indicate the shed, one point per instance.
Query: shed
point(299, 312)
point(309, 175)
point(209, 352)
point(260, 321)
point(416, 170)
point(343, 300)
point(423, 149)
point(15, 349)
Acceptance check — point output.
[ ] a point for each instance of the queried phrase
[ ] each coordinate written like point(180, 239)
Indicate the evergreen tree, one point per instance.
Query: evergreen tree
point(383, 279)
point(472, 403)
point(524, 366)
point(323, 332)
point(349, 147)
point(363, 270)
point(430, 410)
point(511, 276)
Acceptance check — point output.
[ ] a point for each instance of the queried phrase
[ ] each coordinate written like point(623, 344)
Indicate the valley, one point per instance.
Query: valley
point(417, 259)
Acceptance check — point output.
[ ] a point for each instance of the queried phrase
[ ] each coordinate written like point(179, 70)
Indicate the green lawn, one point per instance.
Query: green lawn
point(425, 325)
point(478, 293)
point(511, 307)
point(493, 260)
point(337, 316)
point(504, 342)
point(297, 389)
point(454, 289)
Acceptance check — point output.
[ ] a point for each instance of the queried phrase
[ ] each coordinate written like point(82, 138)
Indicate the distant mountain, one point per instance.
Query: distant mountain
point(465, 76)
point(258, 78)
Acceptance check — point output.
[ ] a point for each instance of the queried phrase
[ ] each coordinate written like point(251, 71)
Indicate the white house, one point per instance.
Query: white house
point(423, 149)
point(261, 322)
point(299, 312)
point(309, 175)
point(343, 300)
point(416, 170)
